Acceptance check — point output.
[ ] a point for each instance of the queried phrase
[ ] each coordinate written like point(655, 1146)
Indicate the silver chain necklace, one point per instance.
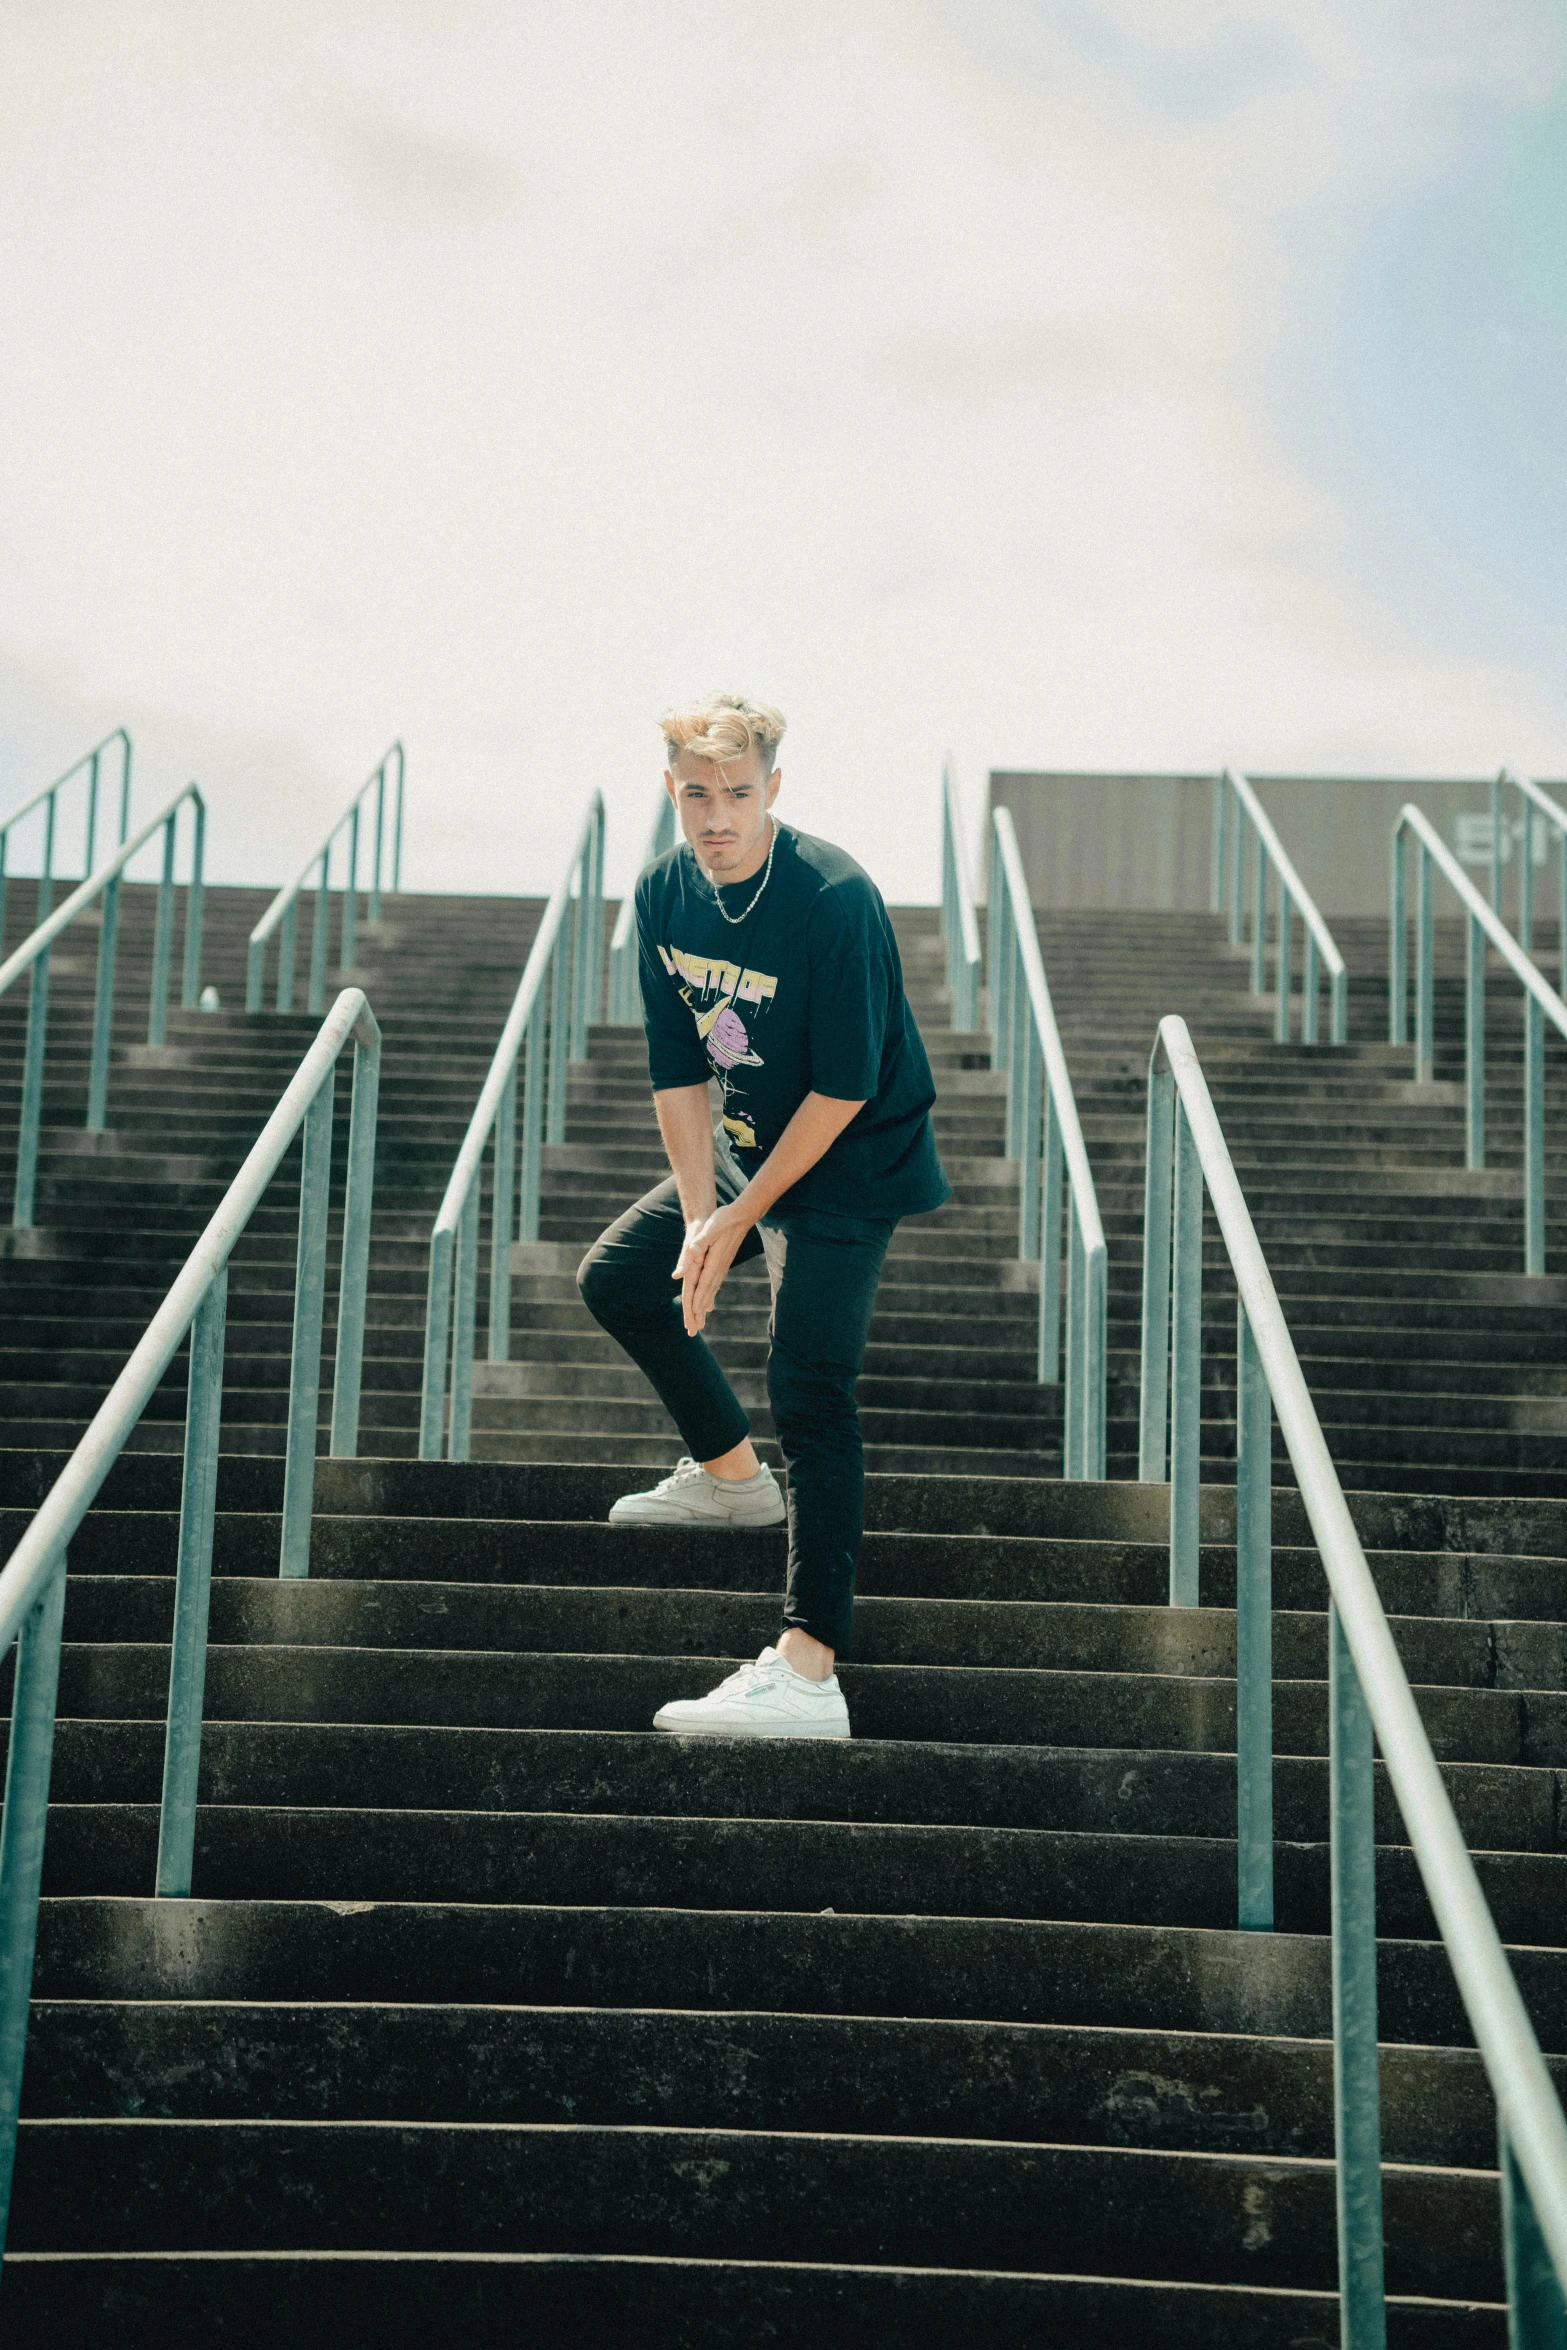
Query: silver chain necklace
point(736, 919)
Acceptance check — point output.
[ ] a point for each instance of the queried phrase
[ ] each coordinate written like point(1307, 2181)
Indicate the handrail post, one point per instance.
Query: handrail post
point(315, 1000)
point(304, 1382)
point(287, 944)
point(354, 1277)
point(162, 944)
point(1259, 943)
point(1253, 1632)
point(596, 937)
point(31, 1752)
point(32, 1093)
point(1186, 1368)
point(533, 1093)
point(555, 1117)
point(1474, 1046)
point(1216, 885)
point(192, 1597)
point(996, 915)
point(1154, 1391)
point(195, 909)
point(1496, 844)
point(463, 1315)
point(1029, 1168)
point(1561, 911)
point(1425, 1027)
point(581, 944)
point(1048, 1367)
point(1534, 1136)
point(92, 811)
point(1074, 1400)
point(1310, 983)
point(1338, 1001)
point(1281, 1023)
point(1018, 1030)
point(1357, 2116)
point(103, 1011)
point(1238, 877)
point(437, 1346)
point(1096, 1375)
point(1536, 2312)
point(1526, 880)
point(380, 826)
point(397, 835)
point(499, 1349)
point(1398, 943)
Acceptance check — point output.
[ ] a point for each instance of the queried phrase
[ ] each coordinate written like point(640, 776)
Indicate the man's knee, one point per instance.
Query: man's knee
point(601, 1286)
point(623, 1291)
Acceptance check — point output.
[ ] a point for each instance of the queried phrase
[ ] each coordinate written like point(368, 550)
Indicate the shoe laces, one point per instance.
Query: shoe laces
point(686, 1471)
point(752, 1679)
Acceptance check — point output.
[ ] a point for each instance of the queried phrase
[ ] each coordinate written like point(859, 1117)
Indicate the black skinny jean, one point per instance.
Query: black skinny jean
point(824, 1271)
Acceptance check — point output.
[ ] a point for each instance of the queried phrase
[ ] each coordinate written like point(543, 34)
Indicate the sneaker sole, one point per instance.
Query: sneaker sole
point(804, 1730)
point(719, 1525)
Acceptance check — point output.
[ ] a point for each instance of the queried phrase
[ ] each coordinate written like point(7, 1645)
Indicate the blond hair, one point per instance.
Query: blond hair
point(722, 727)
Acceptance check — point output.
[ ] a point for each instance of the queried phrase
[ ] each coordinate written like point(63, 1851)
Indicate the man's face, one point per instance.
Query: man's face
point(723, 809)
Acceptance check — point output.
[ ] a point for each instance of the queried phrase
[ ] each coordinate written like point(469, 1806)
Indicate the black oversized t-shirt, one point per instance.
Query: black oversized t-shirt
point(804, 996)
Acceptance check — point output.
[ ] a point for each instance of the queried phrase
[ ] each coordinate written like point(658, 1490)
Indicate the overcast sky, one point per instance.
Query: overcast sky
point(1074, 382)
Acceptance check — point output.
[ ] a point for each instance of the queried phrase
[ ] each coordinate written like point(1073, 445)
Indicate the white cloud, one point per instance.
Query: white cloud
point(485, 373)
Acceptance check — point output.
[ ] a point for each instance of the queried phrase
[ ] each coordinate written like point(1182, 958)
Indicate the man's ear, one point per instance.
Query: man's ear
point(669, 786)
point(773, 781)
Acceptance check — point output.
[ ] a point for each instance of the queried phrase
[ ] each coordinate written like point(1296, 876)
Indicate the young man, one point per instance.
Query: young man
point(769, 965)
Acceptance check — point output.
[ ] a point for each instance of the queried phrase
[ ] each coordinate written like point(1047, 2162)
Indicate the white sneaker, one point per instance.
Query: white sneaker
point(766, 1700)
point(690, 1497)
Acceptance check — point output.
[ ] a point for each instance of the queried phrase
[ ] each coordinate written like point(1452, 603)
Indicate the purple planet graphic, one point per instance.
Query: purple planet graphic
point(727, 1042)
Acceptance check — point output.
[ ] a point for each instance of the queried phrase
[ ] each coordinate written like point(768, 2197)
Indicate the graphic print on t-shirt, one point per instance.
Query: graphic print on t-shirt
point(711, 986)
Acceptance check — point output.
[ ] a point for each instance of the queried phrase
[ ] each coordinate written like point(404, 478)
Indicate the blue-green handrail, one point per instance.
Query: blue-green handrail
point(1541, 1004)
point(959, 923)
point(552, 1023)
point(32, 1582)
point(1368, 1696)
point(625, 993)
point(1235, 807)
point(89, 764)
point(1538, 808)
point(283, 913)
point(1045, 1136)
point(32, 956)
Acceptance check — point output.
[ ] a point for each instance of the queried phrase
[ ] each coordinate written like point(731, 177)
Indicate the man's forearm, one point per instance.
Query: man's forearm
point(809, 1135)
point(685, 1120)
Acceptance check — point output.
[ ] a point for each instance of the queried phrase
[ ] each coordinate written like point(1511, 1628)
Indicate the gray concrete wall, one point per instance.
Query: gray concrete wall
point(1147, 840)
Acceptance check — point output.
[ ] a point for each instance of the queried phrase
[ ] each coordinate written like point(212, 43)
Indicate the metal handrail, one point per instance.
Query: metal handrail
point(32, 1582)
point(1536, 802)
point(284, 908)
point(959, 923)
point(1369, 1693)
point(1322, 953)
point(625, 994)
point(1541, 1003)
point(568, 950)
point(48, 799)
point(32, 956)
point(1045, 1135)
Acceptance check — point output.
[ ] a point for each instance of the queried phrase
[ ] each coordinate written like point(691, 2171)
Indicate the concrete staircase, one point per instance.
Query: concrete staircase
point(496, 2010)
point(1436, 1365)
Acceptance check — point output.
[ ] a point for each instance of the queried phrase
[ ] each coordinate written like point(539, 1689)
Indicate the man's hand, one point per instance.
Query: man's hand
point(708, 1253)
